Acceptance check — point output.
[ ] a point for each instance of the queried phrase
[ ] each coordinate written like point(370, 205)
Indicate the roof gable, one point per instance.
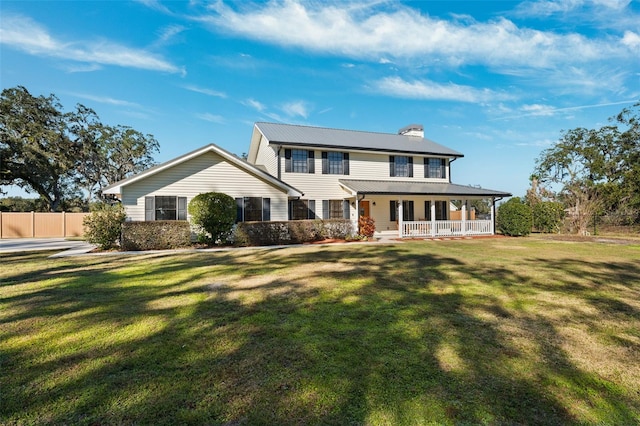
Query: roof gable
point(116, 188)
point(321, 137)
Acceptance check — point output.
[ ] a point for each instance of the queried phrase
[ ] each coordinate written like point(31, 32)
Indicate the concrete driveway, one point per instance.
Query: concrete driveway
point(11, 245)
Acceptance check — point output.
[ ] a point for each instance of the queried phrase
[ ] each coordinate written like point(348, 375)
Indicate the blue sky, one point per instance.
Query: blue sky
point(497, 81)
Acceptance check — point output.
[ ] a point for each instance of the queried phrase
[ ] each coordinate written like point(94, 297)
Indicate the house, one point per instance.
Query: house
point(402, 181)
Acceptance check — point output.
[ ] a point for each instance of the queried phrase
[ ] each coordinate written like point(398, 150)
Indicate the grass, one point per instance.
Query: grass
point(498, 331)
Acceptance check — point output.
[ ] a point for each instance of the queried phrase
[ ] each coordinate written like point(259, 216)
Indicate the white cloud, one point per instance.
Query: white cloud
point(258, 106)
point(539, 110)
point(426, 89)
point(400, 32)
point(548, 110)
point(106, 100)
point(24, 34)
point(296, 108)
point(550, 7)
point(632, 40)
point(213, 118)
point(205, 91)
point(168, 33)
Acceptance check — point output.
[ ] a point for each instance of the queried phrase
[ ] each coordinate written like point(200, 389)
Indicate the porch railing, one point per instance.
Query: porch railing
point(446, 228)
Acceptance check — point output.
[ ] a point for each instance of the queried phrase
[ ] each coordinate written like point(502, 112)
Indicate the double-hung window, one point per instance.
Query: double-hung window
point(435, 168)
point(163, 207)
point(335, 163)
point(400, 166)
point(253, 209)
point(335, 209)
point(299, 161)
point(302, 209)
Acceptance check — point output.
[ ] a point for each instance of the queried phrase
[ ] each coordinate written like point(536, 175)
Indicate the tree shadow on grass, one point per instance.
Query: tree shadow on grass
point(387, 337)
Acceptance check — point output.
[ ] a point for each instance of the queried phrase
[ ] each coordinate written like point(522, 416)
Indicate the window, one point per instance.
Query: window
point(407, 210)
point(441, 210)
point(253, 209)
point(435, 168)
point(400, 166)
point(427, 210)
point(163, 207)
point(335, 209)
point(335, 163)
point(302, 209)
point(299, 161)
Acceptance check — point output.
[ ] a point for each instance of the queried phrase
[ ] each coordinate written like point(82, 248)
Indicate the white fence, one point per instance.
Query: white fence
point(447, 228)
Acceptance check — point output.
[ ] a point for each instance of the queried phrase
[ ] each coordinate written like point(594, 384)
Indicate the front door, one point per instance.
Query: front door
point(364, 208)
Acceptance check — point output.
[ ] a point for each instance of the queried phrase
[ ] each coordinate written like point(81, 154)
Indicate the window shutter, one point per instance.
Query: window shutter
point(290, 210)
point(239, 209)
point(325, 206)
point(311, 162)
point(182, 208)
point(149, 208)
point(392, 166)
point(345, 163)
point(426, 167)
point(410, 165)
point(312, 209)
point(392, 211)
point(346, 209)
point(325, 163)
point(287, 160)
point(266, 209)
point(443, 170)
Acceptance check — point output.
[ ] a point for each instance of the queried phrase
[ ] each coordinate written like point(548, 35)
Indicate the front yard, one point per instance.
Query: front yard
point(496, 331)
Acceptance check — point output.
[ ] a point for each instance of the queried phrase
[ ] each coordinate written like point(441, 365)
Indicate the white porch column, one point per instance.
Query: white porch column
point(493, 216)
point(400, 225)
point(433, 218)
point(463, 216)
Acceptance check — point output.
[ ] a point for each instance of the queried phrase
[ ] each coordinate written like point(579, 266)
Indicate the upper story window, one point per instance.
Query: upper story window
point(299, 161)
point(335, 163)
point(400, 166)
point(435, 168)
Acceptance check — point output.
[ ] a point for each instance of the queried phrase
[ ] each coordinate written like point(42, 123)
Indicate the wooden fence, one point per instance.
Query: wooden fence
point(41, 225)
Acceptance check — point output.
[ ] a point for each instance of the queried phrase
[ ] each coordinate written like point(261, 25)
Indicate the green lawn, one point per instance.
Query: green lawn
point(493, 331)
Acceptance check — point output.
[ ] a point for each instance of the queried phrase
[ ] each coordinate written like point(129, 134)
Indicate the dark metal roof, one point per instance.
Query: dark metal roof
point(384, 187)
point(321, 137)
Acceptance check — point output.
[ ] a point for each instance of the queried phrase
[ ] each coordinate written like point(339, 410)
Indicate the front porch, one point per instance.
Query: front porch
point(445, 228)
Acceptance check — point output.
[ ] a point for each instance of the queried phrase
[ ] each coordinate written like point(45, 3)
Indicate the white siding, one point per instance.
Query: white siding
point(268, 157)
point(206, 173)
point(362, 165)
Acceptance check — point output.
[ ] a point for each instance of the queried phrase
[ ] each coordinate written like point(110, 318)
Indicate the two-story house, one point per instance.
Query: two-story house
point(402, 181)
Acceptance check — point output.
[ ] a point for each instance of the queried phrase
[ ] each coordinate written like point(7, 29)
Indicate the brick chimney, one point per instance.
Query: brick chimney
point(416, 130)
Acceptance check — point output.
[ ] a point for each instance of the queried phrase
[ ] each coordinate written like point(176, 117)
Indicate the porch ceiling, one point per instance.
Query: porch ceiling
point(384, 187)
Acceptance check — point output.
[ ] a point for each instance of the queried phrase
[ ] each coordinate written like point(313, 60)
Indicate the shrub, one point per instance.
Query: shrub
point(548, 216)
point(338, 229)
point(290, 232)
point(514, 218)
point(213, 214)
point(104, 225)
point(156, 235)
point(366, 226)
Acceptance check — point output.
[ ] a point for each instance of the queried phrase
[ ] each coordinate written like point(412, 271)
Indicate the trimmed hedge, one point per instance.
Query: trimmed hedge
point(514, 218)
point(290, 232)
point(156, 235)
